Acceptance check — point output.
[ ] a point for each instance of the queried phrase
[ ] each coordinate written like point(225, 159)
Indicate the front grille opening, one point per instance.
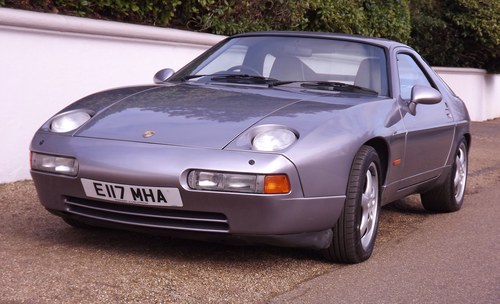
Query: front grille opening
point(151, 217)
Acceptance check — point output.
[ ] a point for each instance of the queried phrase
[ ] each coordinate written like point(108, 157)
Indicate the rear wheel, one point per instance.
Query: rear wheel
point(356, 230)
point(449, 196)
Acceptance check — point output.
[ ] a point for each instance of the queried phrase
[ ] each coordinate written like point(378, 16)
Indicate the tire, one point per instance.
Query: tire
point(356, 230)
point(449, 196)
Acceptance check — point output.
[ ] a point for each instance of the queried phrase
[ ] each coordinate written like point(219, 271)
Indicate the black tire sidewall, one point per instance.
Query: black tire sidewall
point(353, 211)
point(442, 198)
point(458, 204)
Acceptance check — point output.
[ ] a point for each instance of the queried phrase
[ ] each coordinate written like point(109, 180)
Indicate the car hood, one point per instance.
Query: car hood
point(209, 116)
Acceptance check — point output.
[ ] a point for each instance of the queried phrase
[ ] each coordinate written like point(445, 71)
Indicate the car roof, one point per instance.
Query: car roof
point(356, 38)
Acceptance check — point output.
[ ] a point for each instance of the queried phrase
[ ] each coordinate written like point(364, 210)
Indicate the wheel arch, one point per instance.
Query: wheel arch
point(468, 140)
point(382, 148)
point(461, 134)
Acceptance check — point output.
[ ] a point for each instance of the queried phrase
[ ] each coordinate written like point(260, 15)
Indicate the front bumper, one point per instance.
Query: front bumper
point(287, 219)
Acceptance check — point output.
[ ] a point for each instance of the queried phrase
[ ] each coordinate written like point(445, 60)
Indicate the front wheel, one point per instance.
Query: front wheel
point(356, 230)
point(449, 196)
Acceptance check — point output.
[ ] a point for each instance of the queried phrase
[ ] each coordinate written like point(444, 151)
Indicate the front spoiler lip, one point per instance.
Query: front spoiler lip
point(316, 240)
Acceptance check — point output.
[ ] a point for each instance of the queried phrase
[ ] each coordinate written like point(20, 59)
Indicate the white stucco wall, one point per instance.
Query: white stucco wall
point(480, 91)
point(48, 61)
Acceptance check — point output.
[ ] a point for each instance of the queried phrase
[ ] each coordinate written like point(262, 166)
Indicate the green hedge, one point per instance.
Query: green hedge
point(370, 17)
point(378, 18)
point(232, 17)
point(365, 17)
point(463, 33)
point(149, 12)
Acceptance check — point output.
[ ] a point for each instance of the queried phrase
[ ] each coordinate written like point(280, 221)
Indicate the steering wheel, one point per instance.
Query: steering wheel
point(244, 69)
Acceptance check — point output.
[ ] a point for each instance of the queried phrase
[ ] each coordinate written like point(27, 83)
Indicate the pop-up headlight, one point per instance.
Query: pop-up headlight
point(274, 139)
point(69, 121)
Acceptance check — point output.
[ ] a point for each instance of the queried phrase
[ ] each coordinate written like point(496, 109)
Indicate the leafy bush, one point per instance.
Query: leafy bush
point(227, 17)
point(462, 33)
point(369, 17)
point(377, 18)
point(150, 12)
point(232, 17)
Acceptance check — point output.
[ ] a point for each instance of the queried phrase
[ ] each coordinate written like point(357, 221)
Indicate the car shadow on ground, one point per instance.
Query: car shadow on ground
point(397, 219)
point(407, 205)
point(34, 223)
point(164, 246)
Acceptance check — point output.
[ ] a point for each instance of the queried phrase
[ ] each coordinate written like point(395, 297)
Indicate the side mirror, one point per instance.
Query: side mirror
point(423, 95)
point(163, 75)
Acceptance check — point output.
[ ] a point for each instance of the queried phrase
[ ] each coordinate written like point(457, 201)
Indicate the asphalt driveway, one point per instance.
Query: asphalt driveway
point(419, 257)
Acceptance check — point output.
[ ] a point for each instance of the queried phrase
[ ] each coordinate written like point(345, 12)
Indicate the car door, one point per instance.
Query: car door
point(429, 132)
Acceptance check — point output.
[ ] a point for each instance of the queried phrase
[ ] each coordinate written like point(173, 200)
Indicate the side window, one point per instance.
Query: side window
point(410, 74)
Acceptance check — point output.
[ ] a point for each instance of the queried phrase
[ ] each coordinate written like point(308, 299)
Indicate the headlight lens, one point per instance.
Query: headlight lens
point(54, 164)
point(69, 121)
point(273, 139)
point(238, 182)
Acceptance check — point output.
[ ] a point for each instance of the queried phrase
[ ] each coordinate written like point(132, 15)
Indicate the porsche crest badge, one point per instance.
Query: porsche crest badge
point(148, 134)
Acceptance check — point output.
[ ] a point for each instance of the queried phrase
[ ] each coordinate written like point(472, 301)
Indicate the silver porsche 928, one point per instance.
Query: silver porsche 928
point(282, 138)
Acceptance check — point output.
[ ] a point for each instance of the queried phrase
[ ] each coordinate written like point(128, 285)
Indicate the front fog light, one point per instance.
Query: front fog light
point(241, 183)
point(54, 164)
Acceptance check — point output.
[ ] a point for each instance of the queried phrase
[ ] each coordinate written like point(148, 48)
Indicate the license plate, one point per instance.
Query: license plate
point(151, 196)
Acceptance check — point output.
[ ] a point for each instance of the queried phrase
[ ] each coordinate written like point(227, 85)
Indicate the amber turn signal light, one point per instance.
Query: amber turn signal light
point(276, 184)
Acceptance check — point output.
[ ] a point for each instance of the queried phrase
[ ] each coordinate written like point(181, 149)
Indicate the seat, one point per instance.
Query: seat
point(369, 76)
point(287, 68)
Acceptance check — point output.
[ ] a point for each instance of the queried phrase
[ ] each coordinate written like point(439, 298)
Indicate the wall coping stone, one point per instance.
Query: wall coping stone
point(77, 25)
point(452, 70)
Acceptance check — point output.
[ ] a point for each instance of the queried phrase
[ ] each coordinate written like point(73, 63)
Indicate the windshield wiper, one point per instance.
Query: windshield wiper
point(244, 79)
point(272, 82)
point(337, 86)
point(233, 78)
point(188, 77)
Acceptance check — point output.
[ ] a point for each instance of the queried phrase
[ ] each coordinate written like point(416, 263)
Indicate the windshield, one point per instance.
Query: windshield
point(294, 59)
